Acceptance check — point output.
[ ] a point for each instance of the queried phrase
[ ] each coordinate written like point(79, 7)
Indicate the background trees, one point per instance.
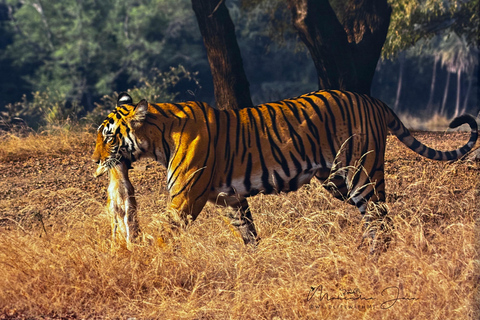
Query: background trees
point(87, 48)
point(344, 47)
point(82, 50)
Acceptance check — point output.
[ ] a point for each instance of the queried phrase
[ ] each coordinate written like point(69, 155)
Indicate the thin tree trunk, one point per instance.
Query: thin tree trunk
point(445, 94)
point(232, 90)
point(401, 60)
point(467, 94)
point(459, 89)
point(432, 84)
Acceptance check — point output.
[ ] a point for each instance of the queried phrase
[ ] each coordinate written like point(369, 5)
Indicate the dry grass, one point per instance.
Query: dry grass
point(57, 260)
point(14, 147)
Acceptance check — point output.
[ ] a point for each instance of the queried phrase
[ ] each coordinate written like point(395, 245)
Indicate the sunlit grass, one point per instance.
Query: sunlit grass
point(55, 141)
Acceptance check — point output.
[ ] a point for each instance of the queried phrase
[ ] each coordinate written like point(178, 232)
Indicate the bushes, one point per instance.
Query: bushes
point(45, 108)
point(51, 109)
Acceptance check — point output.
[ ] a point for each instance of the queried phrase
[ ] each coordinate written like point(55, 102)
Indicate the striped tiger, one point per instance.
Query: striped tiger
point(226, 156)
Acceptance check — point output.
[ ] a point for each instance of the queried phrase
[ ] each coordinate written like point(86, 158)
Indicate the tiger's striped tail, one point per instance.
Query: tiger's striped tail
point(404, 135)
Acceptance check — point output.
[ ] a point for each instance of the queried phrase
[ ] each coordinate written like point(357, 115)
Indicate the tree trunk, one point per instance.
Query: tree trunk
point(366, 24)
point(467, 94)
point(459, 89)
point(230, 83)
point(401, 60)
point(325, 38)
point(39, 8)
point(445, 94)
point(345, 54)
point(432, 84)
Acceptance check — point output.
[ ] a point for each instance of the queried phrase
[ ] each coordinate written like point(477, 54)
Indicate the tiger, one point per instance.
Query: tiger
point(226, 156)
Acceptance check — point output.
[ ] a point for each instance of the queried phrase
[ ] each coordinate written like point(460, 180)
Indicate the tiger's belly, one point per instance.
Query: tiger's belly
point(272, 181)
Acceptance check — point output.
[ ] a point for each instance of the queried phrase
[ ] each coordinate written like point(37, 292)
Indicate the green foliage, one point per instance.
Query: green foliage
point(157, 86)
point(266, 18)
point(84, 49)
point(47, 108)
point(414, 20)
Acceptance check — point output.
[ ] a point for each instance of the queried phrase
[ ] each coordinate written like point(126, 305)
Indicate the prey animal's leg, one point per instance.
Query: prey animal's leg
point(121, 203)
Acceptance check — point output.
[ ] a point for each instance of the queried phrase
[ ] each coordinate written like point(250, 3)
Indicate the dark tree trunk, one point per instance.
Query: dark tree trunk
point(345, 53)
point(366, 24)
point(230, 83)
point(325, 38)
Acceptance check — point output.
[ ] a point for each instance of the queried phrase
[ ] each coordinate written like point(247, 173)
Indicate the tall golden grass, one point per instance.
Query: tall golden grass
point(58, 261)
point(36, 145)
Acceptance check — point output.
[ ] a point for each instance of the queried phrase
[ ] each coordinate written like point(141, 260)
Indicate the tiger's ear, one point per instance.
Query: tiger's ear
point(140, 114)
point(124, 98)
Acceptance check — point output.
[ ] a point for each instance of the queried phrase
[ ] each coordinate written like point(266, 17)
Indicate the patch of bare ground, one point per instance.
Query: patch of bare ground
point(58, 262)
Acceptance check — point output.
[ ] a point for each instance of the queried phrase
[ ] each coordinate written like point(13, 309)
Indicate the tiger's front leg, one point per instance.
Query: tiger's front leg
point(121, 204)
point(183, 209)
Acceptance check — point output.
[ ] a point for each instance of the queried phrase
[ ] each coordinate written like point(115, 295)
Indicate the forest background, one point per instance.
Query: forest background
point(65, 60)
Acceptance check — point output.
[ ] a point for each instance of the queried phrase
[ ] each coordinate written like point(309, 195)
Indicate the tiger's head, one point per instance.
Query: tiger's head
point(116, 141)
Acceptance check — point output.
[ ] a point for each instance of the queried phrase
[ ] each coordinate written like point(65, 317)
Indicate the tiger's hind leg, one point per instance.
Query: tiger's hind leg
point(367, 194)
point(378, 226)
point(371, 204)
point(240, 217)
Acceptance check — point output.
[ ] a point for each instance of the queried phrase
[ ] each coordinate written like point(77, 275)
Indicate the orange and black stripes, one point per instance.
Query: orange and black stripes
point(226, 156)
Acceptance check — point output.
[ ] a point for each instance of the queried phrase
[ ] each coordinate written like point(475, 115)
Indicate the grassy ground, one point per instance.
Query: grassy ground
point(57, 259)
